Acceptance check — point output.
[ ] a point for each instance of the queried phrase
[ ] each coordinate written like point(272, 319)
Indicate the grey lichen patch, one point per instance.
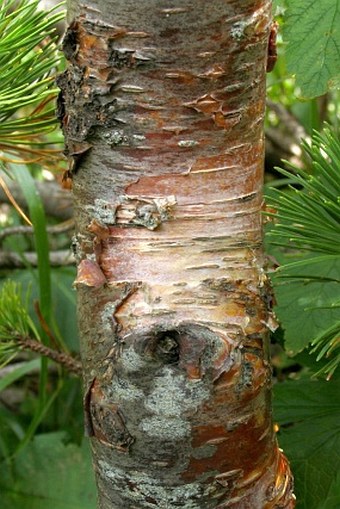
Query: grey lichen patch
point(247, 375)
point(125, 391)
point(148, 492)
point(119, 138)
point(187, 143)
point(148, 212)
point(116, 138)
point(107, 316)
point(238, 30)
point(78, 245)
point(138, 138)
point(103, 211)
point(132, 361)
point(173, 394)
point(147, 215)
point(165, 428)
point(172, 398)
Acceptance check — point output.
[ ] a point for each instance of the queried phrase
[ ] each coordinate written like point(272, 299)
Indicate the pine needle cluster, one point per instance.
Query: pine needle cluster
point(28, 62)
point(307, 220)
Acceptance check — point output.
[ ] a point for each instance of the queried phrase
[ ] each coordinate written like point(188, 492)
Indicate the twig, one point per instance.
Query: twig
point(57, 201)
point(63, 227)
point(289, 121)
point(283, 142)
point(44, 324)
point(10, 259)
point(62, 358)
point(13, 201)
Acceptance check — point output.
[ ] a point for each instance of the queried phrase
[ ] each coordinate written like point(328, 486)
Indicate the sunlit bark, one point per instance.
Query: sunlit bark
point(162, 108)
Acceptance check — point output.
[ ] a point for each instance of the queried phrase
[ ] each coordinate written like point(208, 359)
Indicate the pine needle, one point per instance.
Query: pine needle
point(13, 201)
point(307, 220)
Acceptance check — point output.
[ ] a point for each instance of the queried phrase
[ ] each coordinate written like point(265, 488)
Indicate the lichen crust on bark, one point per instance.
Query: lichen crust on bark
point(162, 108)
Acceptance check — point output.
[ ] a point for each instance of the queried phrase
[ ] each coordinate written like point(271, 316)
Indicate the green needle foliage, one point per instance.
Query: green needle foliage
point(307, 221)
point(15, 321)
point(308, 218)
point(328, 345)
point(28, 60)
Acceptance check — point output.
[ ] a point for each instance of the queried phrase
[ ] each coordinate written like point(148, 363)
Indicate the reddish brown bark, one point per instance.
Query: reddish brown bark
point(162, 109)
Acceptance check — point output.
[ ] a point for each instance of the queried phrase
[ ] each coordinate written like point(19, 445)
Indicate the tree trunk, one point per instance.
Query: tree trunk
point(162, 108)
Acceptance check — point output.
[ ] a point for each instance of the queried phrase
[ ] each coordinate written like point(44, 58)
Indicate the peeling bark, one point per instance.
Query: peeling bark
point(162, 108)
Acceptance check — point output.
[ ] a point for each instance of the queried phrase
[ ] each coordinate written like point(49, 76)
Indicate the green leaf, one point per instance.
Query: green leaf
point(278, 6)
point(312, 30)
point(332, 500)
point(305, 292)
point(308, 413)
point(38, 218)
point(37, 215)
point(20, 371)
point(49, 474)
point(64, 304)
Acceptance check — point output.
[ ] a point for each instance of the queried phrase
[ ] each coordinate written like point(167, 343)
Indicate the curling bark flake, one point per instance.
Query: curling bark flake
point(162, 108)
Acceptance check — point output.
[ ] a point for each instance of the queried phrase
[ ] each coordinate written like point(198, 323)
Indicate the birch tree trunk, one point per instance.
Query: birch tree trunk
point(162, 108)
